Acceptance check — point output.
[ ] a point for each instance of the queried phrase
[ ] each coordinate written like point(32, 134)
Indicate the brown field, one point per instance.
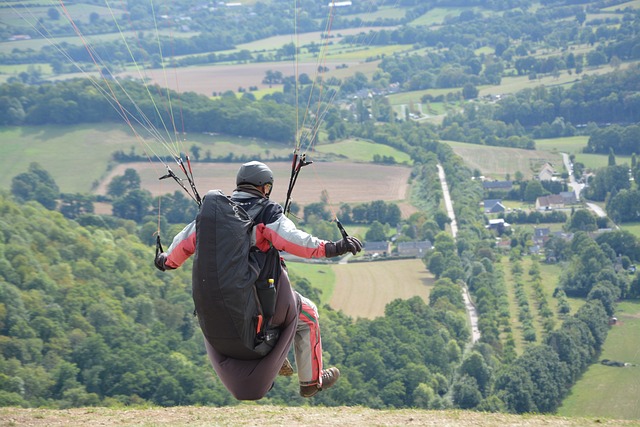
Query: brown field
point(220, 78)
point(364, 289)
point(344, 182)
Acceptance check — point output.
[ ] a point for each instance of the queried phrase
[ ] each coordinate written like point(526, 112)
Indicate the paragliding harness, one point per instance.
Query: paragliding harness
point(234, 283)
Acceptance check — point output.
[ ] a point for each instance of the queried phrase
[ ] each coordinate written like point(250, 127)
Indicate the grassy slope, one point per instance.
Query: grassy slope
point(364, 289)
point(362, 151)
point(611, 391)
point(321, 276)
point(496, 162)
point(253, 415)
point(76, 156)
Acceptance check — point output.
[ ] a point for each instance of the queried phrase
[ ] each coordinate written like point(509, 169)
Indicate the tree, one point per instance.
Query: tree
point(514, 387)
point(469, 91)
point(603, 292)
point(316, 211)
point(178, 208)
point(122, 184)
point(465, 393)
point(623, 242)
point(441, 218)
point(36, 184)
point(582, 220)
point(436, 263)
point(550, 378)
point(134, 205)
point(533, 190)
point(475, 366)
point(376, 233)
point(73, 206)
point(53, 14)
point(612, 157)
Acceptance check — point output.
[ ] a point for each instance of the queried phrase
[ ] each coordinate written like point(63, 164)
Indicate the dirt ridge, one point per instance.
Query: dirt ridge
point(248, 414)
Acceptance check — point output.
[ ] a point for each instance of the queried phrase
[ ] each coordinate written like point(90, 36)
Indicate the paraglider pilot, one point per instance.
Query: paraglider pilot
point(295, 317)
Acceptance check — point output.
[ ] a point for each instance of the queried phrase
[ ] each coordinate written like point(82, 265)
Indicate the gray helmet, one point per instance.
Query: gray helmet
point(254, 173)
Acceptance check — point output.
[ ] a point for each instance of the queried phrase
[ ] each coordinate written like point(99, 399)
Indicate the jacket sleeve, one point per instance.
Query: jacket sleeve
point(182, 247)
point(284, 236)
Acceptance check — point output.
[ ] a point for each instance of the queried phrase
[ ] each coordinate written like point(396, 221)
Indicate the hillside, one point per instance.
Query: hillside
point(86, 322)
point(250, 415)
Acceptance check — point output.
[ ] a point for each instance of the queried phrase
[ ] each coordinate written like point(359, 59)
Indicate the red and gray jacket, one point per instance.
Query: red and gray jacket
point(273, 228)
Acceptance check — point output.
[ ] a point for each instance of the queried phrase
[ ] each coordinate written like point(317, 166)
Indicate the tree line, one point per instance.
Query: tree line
point(85, 101)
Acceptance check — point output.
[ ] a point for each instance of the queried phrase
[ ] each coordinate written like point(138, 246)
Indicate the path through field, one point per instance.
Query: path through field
point(363, 289)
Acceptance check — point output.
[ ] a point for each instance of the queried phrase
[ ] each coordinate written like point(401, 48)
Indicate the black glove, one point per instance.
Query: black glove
point(160, 262)
point(341, 247)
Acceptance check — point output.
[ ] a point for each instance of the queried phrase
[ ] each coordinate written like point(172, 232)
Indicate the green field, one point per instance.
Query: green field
point(632, 227)
point(383, 12)
point(570, 145)
point(13, 70)
point(497, 162)
point(634, 4)
point(37, 44)
point(612, 392)
point(363, 151)
point(79, 156)
point(321, 276)
point(75, 156)
point(437, 15)
point(575, 145)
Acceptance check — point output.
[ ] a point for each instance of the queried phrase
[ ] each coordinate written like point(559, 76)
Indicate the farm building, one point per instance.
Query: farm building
point(546, 173)
point(377, 248)
point(498, 224)
point(416, 249)
point(569, 197)
point(553, 201)
point(539, 233)
point(493, 206)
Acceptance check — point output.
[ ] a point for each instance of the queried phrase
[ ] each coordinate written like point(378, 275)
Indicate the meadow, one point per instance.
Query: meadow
point(436, 16)
point(634, 4)
point(79, 157)
point(79, 160)
point(362, 151)
point(364, 289)
point(574, 145)
point(344, 285)
point(497, 162)
point(607, 391)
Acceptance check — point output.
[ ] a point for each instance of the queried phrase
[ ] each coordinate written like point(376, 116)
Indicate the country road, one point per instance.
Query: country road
point(573, 184)
point(471, 309)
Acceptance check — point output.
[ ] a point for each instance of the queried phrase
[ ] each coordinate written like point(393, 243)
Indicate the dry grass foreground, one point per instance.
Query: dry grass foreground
point(253, 415)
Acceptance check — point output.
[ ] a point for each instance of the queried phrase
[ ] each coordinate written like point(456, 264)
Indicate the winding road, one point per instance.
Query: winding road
point(577, 187)
point(471, 308)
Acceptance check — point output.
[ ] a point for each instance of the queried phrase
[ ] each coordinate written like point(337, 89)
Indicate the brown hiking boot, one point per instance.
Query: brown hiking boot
point(286, 370)
point(329, 378)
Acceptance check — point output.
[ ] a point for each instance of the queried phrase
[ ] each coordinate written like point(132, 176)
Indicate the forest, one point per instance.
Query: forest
point(85, 321)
